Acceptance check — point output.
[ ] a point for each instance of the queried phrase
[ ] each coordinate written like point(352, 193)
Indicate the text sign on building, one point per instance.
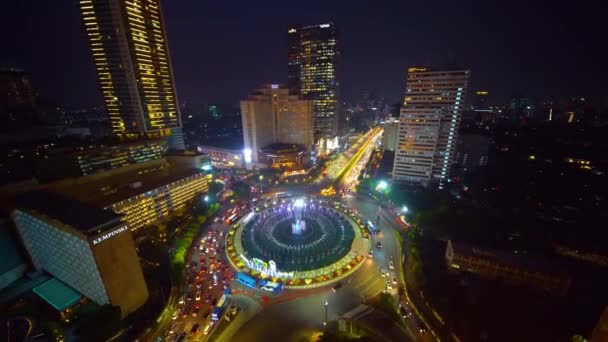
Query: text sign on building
point(109, 235)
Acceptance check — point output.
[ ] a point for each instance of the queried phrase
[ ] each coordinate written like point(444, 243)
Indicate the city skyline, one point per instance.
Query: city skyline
point(336, 171)
point(526, 52)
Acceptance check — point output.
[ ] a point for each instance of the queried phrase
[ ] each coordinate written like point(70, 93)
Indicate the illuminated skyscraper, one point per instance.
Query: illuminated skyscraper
point(130, 53)
point(272, 115)
point(428, 125)
point(312, 62)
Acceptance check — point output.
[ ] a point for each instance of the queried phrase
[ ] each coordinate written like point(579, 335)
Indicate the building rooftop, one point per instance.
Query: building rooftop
point(78, 215)
point(283, 147)
point(229, 144)
point(57, 293)
point(105, 191)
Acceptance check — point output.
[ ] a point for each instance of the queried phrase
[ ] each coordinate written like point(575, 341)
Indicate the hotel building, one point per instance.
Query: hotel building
point(87, 248)
point(428, 125)
point(272, 115)
point(312, 73)
point(131, 55)
point(143, 195)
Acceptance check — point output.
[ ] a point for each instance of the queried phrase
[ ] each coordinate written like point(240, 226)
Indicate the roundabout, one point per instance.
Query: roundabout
point(302, 243)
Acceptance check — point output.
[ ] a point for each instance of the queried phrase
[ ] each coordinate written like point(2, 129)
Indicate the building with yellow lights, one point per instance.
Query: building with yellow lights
point(130, 52)
point(143, 194)
point(312, 63)
point(271, 115)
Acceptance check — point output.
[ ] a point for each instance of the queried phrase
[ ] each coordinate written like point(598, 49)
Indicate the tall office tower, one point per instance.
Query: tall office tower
point(130, 52)
point(428, 125)
point(89, 249)
point(16, 91)
point(272, 115)
point(312, 63)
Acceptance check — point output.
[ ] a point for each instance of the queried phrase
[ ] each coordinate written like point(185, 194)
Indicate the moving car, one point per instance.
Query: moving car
point(391, 265)
point(379, 245)
point(337, 287)
point(404, 313)
point(394, 281)
point(208, 328)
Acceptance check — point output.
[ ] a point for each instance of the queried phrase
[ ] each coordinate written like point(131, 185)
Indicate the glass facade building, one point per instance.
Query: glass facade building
point(312, 73)
point(130, 51)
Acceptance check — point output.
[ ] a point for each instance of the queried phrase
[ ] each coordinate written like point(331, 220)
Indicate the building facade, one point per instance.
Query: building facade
point(89, 249)
point(389, 138)
point(17, 96)
point(272, 115)
point(223, 158)
point(428, 125)
point(313, 59)
point(148, 207)
point(95, 159)
point(130, 52)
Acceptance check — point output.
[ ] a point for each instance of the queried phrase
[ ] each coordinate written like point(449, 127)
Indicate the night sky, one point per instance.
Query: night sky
point(223, 49)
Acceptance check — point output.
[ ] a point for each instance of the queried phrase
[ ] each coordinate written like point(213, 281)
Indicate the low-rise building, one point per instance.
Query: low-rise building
point(223, 157)
point(88, 248)
point(532, 271)
point(89, 160)
point(142, 195)
point(284, 157)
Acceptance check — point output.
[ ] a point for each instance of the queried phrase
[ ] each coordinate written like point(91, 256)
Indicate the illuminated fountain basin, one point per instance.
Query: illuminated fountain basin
point(298, 236)
point(277, 224)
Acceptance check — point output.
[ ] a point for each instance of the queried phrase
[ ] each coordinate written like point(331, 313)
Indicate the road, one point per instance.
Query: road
point(297, 314)
point(304, 313)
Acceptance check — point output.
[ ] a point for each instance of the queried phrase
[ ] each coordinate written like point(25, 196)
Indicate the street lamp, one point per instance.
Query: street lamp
point(260, 179)
point(206, 198)
point(404, 209)
point(326, 304)
point(382, 185)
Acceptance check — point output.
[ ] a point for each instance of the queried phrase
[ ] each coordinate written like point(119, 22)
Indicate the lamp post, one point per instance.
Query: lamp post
point(260, 182)
point(325, 322)
point(381, 188)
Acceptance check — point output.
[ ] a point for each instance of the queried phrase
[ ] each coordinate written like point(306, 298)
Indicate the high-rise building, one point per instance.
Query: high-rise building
point(272, 115)
point(130, 52)
point(389, 138)
point(16, 93)
point(312, 73)
point(213, 113)
point(428, 125)
point(87, 248)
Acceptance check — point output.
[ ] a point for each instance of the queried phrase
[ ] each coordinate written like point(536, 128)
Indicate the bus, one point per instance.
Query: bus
point(246, 280)
point(220, 307)
point(282, 194)
point(271, 286)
